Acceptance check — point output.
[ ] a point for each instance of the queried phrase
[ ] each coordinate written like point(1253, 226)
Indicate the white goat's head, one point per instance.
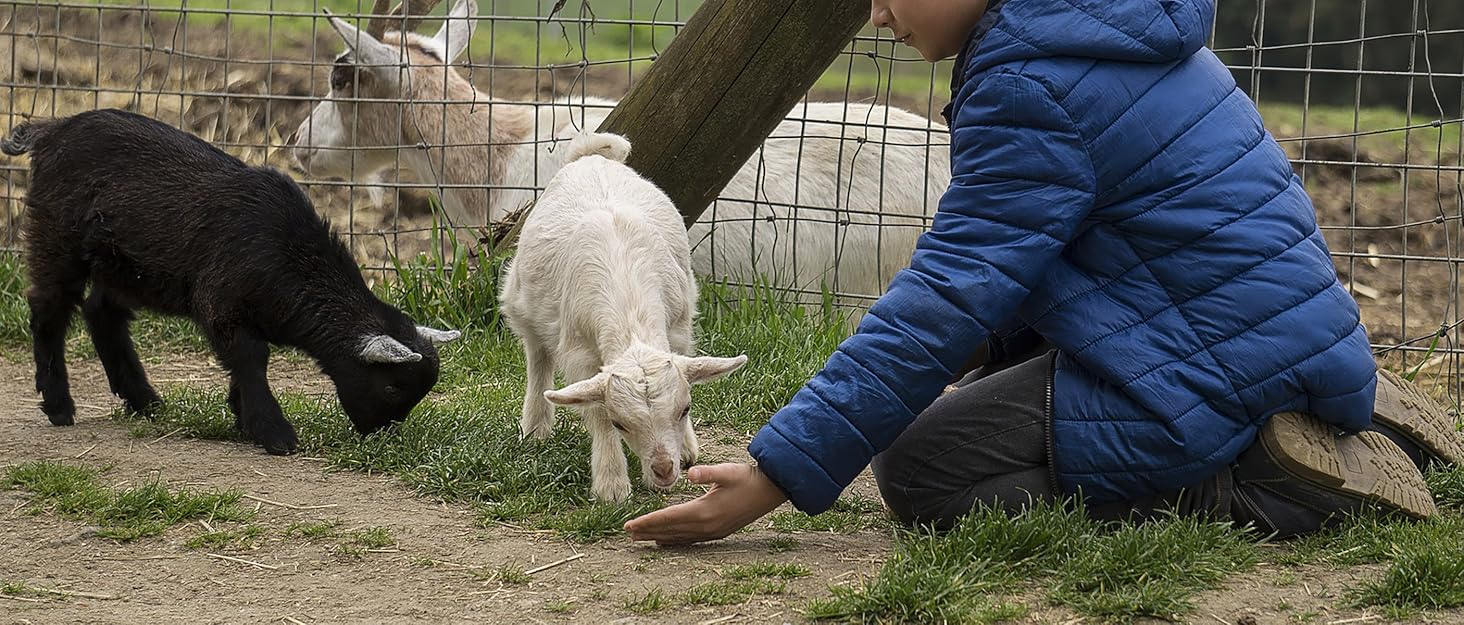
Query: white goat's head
point(646, 395)
point(378, 88)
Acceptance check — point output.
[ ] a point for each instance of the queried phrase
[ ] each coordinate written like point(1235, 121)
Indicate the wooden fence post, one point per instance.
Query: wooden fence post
point(721, 87)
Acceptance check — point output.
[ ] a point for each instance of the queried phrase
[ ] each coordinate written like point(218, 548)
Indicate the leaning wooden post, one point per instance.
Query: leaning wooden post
point(721, 87)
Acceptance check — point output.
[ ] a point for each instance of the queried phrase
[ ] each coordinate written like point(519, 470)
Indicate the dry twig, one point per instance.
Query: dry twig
point(554, 564)
point(290, 506)
point(243, 561)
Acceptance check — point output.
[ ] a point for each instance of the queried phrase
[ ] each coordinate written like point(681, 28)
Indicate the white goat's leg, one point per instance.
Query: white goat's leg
point(537, 420)
point(679, 338)
point(689, 444)
point(609, 475)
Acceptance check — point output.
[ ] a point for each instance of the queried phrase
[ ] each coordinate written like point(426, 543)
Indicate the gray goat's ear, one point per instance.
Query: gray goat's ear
point(379, 58)
point(456, 31)
point(438, 336)
point(384, 349)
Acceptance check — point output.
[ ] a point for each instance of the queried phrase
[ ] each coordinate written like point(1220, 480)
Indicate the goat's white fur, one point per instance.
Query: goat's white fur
point(601, 288)
point(864, 178)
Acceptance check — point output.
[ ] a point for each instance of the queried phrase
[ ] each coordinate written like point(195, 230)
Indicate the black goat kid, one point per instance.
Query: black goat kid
point(156, 218)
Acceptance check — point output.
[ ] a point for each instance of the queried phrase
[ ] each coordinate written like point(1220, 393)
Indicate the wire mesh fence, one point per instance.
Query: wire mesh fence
point(834, 203)
point(1364, 96)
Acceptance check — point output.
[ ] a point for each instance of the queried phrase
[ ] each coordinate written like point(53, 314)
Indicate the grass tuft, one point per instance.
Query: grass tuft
point(850, 513)
point(1152, 569)
point(1121, 572)
point(770, 570)
point(446, 290)
point(125, 515)
point(247, 537)
point(653, 601)
point(781, 544)
point(1447, 487)
point(1421, 577)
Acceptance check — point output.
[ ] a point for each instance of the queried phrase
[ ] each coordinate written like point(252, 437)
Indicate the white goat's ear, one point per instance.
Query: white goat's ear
point(438, 336)
point(369, 52)
point(384, 349)
point(582, 392)
point(707, 368)
point(457, 30)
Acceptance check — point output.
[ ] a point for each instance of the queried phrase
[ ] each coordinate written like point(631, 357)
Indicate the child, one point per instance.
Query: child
point(1160, 320)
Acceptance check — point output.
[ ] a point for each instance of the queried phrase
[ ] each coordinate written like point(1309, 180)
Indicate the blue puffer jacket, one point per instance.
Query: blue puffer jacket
point(1116, 192)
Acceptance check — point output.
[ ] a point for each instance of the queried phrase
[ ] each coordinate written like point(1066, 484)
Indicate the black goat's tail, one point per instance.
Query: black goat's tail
point(24, 135)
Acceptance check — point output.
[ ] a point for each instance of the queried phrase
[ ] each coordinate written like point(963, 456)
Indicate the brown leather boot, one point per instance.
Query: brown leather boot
point(1420, 426)
point(1301, 476)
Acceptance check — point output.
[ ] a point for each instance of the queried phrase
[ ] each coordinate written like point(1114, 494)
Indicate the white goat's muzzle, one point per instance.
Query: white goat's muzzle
point(664, 470)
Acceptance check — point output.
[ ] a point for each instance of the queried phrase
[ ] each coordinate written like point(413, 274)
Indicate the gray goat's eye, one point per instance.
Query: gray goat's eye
point(340, 76)
point(685, 412)
point(618, 426)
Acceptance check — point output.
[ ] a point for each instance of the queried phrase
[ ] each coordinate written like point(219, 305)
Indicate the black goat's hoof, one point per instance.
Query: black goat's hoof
point(146, 404)
point(60, 413)
point(279, 451)
point(280, 445)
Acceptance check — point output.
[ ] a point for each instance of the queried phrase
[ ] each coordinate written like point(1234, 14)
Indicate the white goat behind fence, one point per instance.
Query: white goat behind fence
point(835, 198)
point(601, 288)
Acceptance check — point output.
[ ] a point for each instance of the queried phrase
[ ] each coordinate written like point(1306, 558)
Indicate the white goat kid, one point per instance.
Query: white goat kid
point(836, 196)
point(601, 288)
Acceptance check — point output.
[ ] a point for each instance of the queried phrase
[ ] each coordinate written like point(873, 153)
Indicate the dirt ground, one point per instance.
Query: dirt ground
point(160, 580)
point(428, 575)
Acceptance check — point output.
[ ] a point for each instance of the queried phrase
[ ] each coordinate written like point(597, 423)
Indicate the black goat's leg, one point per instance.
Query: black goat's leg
point(108, 323)
point(52, 302)
point(234, 404)
point(246, 357)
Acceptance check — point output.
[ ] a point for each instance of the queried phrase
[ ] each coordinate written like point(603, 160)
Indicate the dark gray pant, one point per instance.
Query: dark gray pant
point(985, 443)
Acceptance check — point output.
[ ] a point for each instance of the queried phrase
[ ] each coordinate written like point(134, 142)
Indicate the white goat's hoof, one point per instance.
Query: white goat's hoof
point(612, 490)
point(538, 431)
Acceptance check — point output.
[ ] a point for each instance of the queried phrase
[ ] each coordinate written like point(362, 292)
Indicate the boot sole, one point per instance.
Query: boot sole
point(1368, 465)
point(1417, 417)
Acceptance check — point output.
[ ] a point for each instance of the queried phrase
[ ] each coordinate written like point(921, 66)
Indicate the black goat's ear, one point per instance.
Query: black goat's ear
point(384, 349)
point(436, 336)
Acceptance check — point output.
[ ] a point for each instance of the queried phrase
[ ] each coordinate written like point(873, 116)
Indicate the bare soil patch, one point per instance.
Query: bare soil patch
point(442, 565)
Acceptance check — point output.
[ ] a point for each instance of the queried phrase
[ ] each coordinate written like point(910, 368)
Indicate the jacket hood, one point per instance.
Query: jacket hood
point(1136, 31)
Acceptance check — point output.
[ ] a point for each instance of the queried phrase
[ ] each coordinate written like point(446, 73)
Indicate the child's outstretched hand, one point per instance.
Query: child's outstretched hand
point(740, 494)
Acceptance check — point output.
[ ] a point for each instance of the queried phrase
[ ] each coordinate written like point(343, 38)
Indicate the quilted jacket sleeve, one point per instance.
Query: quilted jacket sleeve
point(1022, 184)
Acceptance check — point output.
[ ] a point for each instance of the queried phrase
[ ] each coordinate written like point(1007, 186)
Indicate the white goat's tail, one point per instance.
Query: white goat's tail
point(608, 145)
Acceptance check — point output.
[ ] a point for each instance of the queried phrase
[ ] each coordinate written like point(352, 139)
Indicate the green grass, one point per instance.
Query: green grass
point(1421, 577)
point(14, 312)
point(772, 570)
point(443, 290)
point(966, 574)
point(357, 543)
point(850, 513)
point(558, 606)
point(1150, 570)
point(128, 514)
point(1285, 119)
point(312, 529)
point(782, 544)
point(247, 537)
point(736, 584)
point(507, 574)
point(654, 600)
point(1447, 488)
point(1424, 560)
